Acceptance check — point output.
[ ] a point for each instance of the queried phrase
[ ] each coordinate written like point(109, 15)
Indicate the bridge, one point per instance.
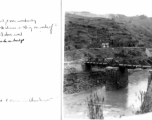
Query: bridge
point(117, 78)
point(126, 63)
point(116, 68)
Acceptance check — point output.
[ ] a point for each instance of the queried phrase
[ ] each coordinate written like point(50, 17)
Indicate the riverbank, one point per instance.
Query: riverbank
point(117, 103)
point(75, 80)
point(113, 79)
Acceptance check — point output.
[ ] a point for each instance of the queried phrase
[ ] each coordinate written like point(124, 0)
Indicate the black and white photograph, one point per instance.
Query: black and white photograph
point(107, 49)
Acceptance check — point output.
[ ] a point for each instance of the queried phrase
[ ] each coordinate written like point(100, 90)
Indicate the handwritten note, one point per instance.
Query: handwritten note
point(13, 30)
point(30, 57)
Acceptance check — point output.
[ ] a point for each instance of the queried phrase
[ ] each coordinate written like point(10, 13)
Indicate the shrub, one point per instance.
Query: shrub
point(141, 97)
point(95, 106)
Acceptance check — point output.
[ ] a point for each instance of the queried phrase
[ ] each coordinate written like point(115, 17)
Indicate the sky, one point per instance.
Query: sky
point(126, 7)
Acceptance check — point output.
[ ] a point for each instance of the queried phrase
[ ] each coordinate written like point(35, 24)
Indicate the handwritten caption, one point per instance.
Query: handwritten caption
point(13, 30)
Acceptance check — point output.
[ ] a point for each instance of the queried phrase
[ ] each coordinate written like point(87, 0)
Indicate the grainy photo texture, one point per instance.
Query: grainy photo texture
point(107, 62)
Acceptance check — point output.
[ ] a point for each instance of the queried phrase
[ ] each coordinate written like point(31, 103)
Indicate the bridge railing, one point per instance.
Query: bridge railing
point(132, 63)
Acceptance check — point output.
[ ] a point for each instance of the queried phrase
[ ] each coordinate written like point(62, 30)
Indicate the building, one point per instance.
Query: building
point(105, 45)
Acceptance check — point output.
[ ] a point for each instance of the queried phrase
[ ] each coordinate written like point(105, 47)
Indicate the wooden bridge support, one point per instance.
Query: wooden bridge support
point(87, 67)
point(116, 78)
point(122, 82)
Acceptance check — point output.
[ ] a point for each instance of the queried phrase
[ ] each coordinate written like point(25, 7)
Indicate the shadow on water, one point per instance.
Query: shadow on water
point(117, 99)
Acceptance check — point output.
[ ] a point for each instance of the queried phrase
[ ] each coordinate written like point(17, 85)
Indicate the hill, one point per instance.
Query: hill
point(83, 31)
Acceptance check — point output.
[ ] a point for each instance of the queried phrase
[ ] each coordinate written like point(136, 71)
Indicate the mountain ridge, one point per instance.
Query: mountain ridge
point(83, 31)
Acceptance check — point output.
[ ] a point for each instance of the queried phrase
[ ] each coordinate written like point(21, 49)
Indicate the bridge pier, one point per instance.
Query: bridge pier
point(87, 67)
point(116, 78)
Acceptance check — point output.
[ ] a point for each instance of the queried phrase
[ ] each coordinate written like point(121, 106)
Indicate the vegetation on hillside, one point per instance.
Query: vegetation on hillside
point(87, 31)
point(117, 53)
point(139, 26)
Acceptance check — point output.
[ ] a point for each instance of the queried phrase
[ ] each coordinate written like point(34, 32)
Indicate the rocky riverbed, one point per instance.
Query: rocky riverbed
point(77, 82)
point(81, 81)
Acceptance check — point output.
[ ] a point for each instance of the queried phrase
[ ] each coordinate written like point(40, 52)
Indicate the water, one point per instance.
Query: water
point(117, 103)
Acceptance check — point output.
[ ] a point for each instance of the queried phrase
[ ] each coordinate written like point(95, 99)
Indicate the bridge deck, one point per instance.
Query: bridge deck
point(130, 64)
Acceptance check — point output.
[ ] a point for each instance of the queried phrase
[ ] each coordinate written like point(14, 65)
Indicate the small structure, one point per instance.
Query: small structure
point(105, 45)
point(149, 52)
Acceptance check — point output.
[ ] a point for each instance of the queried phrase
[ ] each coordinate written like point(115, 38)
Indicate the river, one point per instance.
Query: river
point(117, 103)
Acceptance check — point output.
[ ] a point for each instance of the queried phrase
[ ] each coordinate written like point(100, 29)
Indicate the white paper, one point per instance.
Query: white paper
point(30, 70)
